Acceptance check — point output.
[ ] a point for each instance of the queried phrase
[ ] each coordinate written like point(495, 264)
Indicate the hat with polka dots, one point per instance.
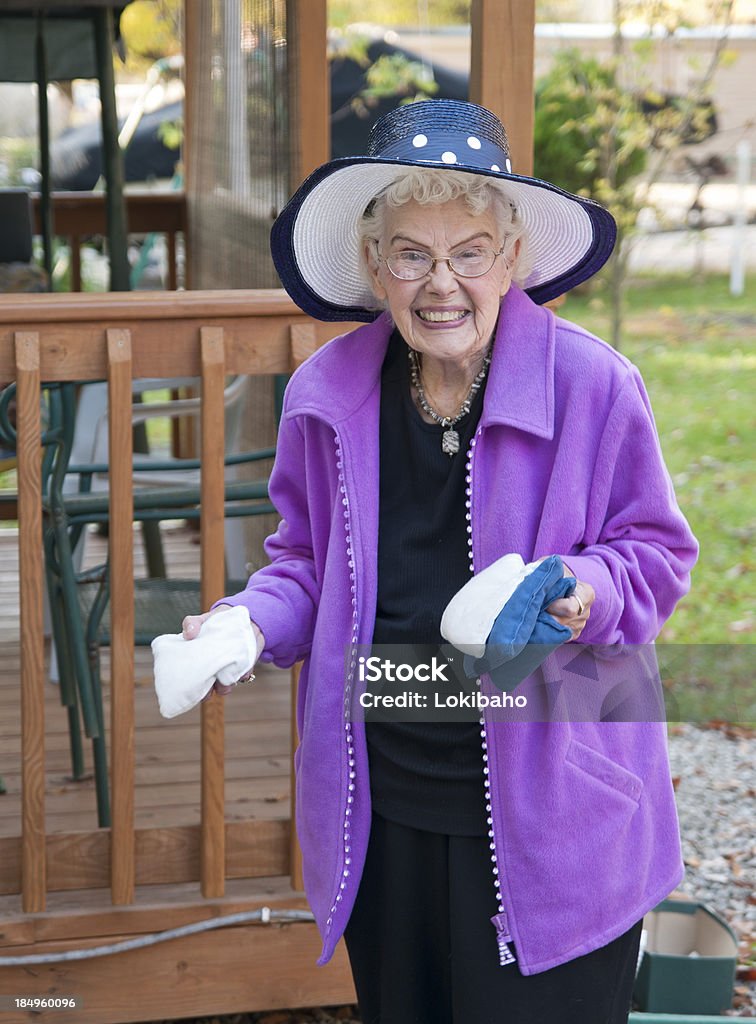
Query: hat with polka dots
point(315, 240)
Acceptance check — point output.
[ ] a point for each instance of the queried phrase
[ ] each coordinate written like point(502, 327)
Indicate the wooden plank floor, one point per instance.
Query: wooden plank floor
point(167, 752)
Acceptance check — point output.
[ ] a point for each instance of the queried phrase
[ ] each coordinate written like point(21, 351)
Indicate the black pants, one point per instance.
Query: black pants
point(423, 949)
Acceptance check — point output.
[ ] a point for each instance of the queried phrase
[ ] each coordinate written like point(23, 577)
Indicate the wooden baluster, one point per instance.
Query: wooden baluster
point(75, 241)
point(121, 547)
point(303, 340)
point(212, 841)
point(295, 850)
point(170, 237)
point(31, 569)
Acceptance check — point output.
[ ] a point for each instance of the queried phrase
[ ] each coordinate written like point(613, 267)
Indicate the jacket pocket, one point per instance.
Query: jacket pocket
point(603, 769)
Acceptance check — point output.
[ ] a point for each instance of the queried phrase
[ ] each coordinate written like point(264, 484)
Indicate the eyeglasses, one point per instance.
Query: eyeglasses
point(412, 265)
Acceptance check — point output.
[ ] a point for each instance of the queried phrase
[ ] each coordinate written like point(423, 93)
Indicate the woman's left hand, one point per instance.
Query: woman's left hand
point(575, 610)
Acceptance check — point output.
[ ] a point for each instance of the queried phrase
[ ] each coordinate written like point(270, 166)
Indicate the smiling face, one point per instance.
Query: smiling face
point(443, 316)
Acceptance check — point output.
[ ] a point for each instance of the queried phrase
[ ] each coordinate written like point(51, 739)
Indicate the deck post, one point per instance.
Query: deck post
point(501, 70)
point(31, 570)
point(121, 544)
point(212, 486)
point(309, 91)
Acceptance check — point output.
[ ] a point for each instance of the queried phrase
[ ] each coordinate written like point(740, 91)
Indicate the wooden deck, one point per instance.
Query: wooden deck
point(255, 967)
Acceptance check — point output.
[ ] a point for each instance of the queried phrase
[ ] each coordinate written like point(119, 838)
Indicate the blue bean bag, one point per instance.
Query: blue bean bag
point(522, 633)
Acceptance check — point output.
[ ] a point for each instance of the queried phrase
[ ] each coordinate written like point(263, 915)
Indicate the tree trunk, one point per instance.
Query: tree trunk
point(617, 270)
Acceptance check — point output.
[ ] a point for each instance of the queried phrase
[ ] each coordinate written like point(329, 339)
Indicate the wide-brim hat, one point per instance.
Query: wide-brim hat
point(315, 241)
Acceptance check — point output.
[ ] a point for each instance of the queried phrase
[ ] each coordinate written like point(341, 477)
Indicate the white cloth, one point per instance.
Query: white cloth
point(469, 617)
point(185, 670)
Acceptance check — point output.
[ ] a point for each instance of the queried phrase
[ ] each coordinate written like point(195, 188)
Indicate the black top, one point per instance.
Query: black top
point(424, 774)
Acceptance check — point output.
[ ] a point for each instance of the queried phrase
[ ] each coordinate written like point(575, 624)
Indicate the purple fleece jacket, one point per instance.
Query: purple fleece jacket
point(565, 461)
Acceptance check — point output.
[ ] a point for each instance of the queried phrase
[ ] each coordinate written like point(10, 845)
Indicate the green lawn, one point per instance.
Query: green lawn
point(694, 344)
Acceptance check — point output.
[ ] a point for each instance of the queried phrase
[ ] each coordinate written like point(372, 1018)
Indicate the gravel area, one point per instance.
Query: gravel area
point(714, 770)
point(715, 773)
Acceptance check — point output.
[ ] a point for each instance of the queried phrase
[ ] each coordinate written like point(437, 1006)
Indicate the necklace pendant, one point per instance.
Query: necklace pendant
point(450, 442)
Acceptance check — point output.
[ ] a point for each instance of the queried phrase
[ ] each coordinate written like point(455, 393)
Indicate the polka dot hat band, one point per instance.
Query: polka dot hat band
point(315, 240)
point(447, 141)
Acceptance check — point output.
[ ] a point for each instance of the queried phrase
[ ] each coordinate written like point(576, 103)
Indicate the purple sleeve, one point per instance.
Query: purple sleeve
point(640, 549)
point(282, 597)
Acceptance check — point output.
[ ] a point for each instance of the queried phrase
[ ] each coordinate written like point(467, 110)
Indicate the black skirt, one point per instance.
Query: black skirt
point(423, 949)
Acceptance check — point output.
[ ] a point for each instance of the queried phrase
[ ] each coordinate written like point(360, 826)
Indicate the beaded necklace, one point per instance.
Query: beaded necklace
point(450, 437)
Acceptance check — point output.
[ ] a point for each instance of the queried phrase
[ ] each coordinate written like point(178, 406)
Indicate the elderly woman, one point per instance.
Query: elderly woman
point(482, 871)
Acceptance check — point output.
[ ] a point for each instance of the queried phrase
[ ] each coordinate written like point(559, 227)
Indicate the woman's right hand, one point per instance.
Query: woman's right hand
point(190, 629)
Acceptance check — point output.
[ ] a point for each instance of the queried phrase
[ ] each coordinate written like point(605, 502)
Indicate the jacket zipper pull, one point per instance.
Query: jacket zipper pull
point(503, 938)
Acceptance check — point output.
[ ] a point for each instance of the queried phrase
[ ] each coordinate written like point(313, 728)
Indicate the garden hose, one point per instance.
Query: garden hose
point(265, 916)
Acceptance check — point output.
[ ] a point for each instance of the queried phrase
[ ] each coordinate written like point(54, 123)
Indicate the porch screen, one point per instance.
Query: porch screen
point(237, 181)
point(237, 139)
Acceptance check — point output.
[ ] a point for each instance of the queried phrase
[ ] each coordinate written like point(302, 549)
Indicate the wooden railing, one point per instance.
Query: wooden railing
point(81, 215)
point(118, 337)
